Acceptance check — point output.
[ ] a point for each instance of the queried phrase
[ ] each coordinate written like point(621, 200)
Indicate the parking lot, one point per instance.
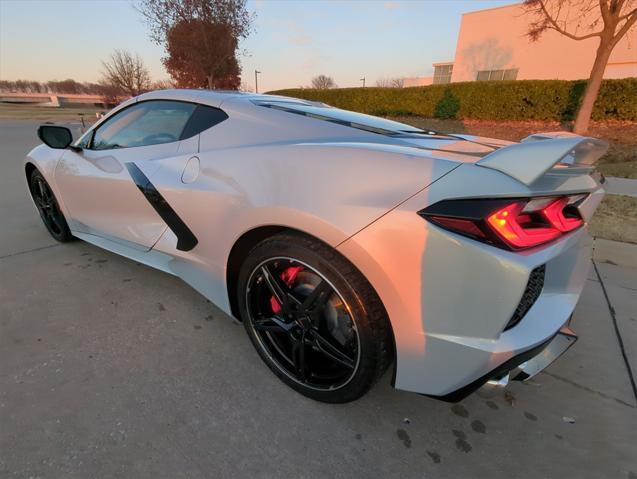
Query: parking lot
point(111, 369)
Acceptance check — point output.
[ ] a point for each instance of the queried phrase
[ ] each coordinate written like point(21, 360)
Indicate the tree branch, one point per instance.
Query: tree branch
point(555, 26)
point(616, 6)
point(603, 6)
point(624, 17)
point(623, 30)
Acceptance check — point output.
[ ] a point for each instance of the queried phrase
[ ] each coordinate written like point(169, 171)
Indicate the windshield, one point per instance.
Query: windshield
point(346, 118)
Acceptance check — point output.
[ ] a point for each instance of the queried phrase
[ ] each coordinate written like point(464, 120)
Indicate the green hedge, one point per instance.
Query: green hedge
point(495, 100)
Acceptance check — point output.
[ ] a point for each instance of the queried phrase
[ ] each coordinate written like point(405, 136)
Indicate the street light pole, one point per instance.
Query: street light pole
point(256, 81)
point(363, 80)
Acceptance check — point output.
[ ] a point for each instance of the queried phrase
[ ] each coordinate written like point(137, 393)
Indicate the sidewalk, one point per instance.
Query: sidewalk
point(615, 252)
point(621, 186)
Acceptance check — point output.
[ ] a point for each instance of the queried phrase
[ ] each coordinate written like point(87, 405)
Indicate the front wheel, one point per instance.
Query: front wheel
point(48, 207)
point(313, 318)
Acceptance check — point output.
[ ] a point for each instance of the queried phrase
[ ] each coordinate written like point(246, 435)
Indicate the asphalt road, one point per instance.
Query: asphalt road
point(110, 369)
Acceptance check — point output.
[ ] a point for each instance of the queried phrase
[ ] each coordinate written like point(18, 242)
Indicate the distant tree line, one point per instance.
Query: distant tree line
point(390, 82)
point(326, 82)
point(68, 86)
point(110, 93)
point(123, 75)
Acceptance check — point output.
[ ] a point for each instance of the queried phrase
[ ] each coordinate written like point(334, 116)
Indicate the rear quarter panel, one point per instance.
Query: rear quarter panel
point(449, 297)
point(308, 187)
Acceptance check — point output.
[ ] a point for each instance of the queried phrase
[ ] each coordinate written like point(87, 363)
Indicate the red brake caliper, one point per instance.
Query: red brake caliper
point(288, 275)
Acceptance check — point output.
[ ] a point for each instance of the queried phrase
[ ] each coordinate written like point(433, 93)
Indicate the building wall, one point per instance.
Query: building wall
point(495, 39)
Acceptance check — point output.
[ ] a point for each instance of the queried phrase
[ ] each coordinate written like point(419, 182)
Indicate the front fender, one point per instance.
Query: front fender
point(45, 159)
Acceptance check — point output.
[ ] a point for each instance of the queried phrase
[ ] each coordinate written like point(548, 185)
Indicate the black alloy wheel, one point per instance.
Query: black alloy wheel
point(303, 322)
point(48, 208)
point(309, 323)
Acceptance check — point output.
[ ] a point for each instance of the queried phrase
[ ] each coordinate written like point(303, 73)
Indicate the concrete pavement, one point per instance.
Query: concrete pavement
point(111, 369)
point(621, 186)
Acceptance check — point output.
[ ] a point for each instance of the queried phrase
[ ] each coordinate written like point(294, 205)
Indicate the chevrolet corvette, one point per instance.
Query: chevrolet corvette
point(345, 243)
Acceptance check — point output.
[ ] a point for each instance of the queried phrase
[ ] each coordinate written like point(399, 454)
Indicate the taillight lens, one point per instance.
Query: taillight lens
point(511, 223)
point(519, 229)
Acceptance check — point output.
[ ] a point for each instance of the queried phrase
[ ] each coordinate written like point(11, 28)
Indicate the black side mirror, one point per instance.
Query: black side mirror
point(58, 137)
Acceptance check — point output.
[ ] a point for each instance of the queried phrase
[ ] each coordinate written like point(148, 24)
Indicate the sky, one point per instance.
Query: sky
point(292, 41)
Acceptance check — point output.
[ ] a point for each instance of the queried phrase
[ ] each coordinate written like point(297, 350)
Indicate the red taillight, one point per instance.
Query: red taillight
point(515, 224)
point(554, 213)
point(519, 229)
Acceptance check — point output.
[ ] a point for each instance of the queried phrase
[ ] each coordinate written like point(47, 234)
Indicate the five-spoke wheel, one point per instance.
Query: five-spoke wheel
point(303, 323)
point(313, 318)
point(48, 207)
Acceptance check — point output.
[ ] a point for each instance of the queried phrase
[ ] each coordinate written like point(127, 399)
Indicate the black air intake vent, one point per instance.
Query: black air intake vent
point(531, 293)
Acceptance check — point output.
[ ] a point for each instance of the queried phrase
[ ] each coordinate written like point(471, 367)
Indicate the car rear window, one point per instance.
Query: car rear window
point(351, 119)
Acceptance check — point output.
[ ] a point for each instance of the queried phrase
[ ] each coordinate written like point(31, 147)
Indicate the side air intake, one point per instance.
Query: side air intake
point(531, 293)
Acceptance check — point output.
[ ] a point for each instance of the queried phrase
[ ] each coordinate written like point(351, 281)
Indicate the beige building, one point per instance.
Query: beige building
point(492, 45)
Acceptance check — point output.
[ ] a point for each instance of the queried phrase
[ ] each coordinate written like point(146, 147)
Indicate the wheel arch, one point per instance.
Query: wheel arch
point(44, 168)
point(240, 249)
point(249, 240)
point(28, 169)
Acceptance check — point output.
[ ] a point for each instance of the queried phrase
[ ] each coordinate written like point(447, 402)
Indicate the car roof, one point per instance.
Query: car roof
point(213, 97)
point(206, 97)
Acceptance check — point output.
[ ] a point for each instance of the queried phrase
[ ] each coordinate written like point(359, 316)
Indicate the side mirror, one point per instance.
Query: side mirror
point(58, 137)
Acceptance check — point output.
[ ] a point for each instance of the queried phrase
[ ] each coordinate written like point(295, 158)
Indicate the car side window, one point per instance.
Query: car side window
point(143, 124)
point(204, 117)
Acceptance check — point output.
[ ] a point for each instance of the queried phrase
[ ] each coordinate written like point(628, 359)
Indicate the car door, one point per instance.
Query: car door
point(97, 184)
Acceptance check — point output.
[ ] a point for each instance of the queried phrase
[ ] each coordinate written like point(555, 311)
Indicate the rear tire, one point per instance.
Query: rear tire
point(331, 339)
point(48, 207)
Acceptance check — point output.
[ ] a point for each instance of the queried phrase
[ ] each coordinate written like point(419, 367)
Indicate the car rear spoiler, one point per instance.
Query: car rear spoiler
point(536, 154)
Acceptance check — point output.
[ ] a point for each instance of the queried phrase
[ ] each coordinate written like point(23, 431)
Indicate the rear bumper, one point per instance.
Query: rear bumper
point(563, 340)
point(522, 367)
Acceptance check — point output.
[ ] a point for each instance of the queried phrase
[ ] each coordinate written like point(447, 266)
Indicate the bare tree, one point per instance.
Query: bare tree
point(323, 82)
point(608, 20)
point(390, 82)
point(126, 72)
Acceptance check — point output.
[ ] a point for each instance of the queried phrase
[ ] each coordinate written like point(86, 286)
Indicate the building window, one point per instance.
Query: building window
point(487, 75)
point(442, 73)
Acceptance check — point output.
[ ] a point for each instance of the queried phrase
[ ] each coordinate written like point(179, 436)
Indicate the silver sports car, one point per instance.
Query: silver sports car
point(345, 243)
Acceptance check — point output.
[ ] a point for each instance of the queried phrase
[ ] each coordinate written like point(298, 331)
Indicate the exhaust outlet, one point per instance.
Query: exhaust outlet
point(493, 386)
